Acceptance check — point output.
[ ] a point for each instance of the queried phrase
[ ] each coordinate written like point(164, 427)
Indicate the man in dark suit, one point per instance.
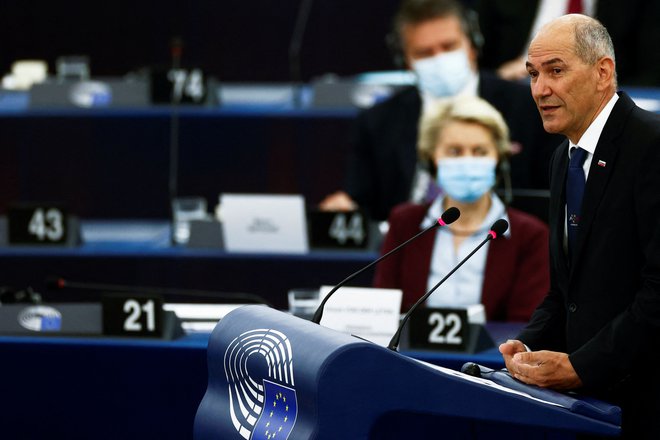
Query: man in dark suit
point(598, 329)
point(507, 26)
point(440, 43)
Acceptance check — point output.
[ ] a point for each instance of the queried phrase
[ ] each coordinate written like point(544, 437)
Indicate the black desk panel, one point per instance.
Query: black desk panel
point(268, 275)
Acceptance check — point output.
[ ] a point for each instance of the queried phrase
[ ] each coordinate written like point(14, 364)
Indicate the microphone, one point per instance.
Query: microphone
point(58, 283)
point(498, 229)
point(175, 99)
point(471, 369)
point(447, 217)
point(295, 46)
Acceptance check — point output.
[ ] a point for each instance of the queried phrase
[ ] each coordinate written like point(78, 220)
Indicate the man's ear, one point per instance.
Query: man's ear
point(606, 72)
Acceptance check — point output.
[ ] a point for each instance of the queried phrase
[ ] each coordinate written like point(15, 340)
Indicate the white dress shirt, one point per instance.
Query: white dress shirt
point(588, 142)
point(463, 288)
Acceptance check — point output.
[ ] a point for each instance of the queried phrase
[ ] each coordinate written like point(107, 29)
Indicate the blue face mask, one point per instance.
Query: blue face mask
point(466, 179)
point(444, 74)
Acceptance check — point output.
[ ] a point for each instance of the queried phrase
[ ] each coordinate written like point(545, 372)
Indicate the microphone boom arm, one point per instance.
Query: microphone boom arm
point(498, 229)
point(319, 311)
point(447, 217)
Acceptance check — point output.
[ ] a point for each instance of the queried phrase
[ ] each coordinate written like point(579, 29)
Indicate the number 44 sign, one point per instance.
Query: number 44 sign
point(343, 230)
point(38, 224)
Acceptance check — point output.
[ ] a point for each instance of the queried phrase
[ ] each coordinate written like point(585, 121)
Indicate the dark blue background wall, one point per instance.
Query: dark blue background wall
point(233, 40)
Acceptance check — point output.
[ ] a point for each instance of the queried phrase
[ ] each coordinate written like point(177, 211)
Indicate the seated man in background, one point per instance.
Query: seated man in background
point(440, 43)
point(465, 141)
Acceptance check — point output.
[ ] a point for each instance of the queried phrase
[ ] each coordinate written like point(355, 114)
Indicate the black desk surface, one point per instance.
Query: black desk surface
point(139, 253)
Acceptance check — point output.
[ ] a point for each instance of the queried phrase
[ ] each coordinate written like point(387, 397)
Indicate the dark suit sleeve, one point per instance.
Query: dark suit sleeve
point(546, 328)
point(359, 174)
point(384, 153)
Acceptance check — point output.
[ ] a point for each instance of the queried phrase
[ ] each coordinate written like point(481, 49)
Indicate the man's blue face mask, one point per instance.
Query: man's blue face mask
point(444, 74)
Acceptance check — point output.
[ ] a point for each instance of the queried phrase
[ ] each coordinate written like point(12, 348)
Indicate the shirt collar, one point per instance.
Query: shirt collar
point(497, 210)
point(589, 139)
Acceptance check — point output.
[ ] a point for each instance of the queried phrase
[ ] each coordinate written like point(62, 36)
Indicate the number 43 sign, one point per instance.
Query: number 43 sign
point(38, 224)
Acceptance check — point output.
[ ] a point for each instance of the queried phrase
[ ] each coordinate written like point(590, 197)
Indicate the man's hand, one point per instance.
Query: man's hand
point(509, 349)
point(338, 201)
point(547, 369)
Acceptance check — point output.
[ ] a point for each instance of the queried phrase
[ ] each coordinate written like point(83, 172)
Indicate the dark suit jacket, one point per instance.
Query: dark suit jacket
point(382, 164)
point(515, 278)
point(604, 310)
point(632, 24)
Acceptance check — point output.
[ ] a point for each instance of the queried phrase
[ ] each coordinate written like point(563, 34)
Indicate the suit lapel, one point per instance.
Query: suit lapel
point(600, 171)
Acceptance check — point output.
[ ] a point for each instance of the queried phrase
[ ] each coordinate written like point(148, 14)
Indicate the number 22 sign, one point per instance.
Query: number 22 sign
point(439, 328)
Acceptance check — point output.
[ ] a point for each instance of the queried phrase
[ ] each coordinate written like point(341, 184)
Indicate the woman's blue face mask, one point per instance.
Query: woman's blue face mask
point(466, 179)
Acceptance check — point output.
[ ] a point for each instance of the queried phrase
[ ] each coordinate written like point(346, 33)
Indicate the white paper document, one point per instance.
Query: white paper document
point(372, 314)
point(264, 223)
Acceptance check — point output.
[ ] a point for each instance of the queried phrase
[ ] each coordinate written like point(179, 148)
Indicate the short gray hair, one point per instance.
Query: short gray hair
point(593, 42)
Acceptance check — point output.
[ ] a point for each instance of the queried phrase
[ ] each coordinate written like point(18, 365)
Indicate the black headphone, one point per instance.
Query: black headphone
point(469, 17)
point(504, 177)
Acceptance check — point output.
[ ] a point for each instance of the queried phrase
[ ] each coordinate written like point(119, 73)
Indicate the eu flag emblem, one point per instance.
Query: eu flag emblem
point(278, 415)
point(51, 323)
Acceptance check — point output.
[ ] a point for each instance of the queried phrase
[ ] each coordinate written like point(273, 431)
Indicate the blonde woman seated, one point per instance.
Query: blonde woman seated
point(465, 142)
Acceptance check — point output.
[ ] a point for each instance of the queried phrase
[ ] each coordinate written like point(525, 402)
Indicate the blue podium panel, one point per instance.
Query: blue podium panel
point(81, 388)
point(338, 386)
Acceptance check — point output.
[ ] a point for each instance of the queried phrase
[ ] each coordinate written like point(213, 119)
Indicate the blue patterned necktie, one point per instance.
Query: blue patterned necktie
point(575, 182)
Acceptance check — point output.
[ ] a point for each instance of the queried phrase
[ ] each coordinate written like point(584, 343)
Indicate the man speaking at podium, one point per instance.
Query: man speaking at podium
point(598, 329)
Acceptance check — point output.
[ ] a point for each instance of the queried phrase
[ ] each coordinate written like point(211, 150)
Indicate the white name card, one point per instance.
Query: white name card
point(264, 223)
point(372, 314)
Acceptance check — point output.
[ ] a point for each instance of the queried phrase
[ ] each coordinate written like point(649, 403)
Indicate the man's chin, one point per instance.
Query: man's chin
point(551, 127)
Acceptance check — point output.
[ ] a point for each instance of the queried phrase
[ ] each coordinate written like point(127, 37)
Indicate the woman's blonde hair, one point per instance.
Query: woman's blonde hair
point(463, 109)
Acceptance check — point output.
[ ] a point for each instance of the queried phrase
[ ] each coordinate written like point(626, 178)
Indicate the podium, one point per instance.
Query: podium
point(275, 376)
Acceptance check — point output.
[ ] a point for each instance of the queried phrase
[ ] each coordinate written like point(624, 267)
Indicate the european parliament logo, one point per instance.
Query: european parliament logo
point(262, 399)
